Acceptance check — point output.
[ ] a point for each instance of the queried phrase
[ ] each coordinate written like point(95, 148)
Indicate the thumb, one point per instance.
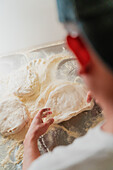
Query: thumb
point(45, 126)
point(48, 123)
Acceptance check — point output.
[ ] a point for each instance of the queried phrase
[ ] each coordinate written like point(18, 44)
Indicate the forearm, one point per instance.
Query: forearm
point(31, 152)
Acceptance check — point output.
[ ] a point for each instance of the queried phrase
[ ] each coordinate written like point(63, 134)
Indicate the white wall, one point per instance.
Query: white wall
point(28, 23)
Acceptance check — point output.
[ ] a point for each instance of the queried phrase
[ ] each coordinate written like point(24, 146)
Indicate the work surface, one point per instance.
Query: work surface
point(63, 133)
point(66, 132)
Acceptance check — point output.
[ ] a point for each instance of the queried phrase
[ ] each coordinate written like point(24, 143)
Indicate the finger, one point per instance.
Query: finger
point(43, 110)
point(89, 97)
point(40, 113)
point(46, 114)
point(49, 122)
point(44, 126)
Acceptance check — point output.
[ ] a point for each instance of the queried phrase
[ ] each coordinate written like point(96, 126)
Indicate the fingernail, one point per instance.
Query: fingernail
point(52, 119)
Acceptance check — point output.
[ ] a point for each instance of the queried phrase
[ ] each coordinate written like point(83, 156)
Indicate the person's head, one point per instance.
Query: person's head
point(94, 19)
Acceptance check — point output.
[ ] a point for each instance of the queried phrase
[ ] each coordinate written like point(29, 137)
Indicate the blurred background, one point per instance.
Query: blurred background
point(28, 24)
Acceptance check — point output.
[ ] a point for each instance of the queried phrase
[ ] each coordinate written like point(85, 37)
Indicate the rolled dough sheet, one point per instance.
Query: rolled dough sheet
point(65, 99)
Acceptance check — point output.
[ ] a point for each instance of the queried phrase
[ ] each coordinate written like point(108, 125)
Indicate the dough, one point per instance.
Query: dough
point(67, 101)
point(13, 115)
point(39, 66)
point(46, 70)
point(50, 70)
point(24, 82)
point(42, 99)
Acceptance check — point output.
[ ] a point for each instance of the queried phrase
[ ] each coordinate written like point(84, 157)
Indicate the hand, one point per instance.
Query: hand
point(38, 127)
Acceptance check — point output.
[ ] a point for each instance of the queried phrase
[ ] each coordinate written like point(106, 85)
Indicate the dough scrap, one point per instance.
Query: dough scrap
point(67, 101)
point(24, 82)
point(13, 115)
